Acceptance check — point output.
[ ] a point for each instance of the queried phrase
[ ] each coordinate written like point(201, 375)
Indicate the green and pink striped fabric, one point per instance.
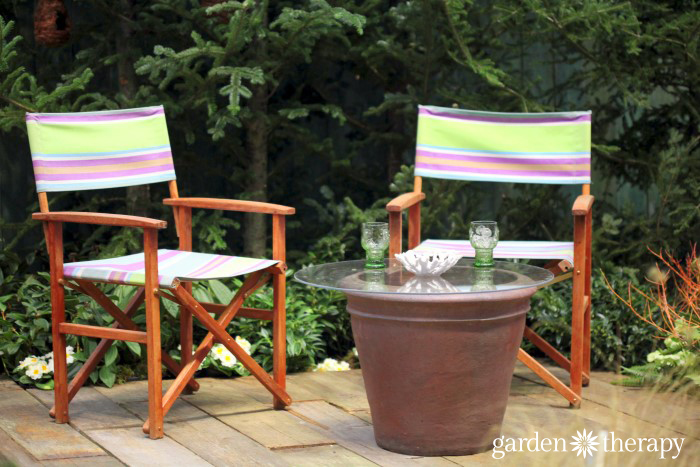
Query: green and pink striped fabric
point(93, 150)
point(507, 249)
point(173, 266)
point(504, 147)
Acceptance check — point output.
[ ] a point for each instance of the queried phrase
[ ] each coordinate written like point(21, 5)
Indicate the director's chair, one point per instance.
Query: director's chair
point(552, 148)
point(93, 150)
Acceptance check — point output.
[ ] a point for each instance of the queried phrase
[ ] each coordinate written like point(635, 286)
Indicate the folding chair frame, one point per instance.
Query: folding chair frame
point(579, 364)
point(124, 327)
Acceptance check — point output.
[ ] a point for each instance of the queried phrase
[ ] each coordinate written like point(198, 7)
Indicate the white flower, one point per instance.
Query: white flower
point(30, 360)
point(245, 345)
point(69, 355)
point(584, 443)
point(37, 370)
point(218, 351)
point(331, 364)
point(228, 360)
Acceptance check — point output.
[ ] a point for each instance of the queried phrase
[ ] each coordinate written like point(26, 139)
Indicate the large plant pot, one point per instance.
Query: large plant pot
point(438, 368)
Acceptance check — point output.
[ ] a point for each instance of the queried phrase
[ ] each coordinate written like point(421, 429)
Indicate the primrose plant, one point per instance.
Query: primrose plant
point(221, 360)
point(38, 371)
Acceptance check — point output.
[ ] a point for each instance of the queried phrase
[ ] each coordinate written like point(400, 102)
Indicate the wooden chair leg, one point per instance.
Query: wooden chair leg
point(551, 352)
point(577, 346)
point(587, 293)
point(60, 372)
point(186, 337)
point(573, 398)
point(58, 316)
point(155, 384)
point(578, 306)
point(184, 221)
point(586, 351)
point(279, 337)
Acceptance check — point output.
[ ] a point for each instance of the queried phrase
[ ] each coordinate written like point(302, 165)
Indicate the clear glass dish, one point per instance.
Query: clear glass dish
point(463, 278)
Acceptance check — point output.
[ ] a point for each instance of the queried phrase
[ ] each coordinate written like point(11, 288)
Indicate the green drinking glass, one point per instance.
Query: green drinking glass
point(375, 240)
point(483, 236)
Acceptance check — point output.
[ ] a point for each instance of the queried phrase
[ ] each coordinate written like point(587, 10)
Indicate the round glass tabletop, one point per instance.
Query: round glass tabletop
point(463, 278)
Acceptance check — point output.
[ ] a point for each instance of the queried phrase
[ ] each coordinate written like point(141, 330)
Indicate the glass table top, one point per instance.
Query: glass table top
point(463, 278)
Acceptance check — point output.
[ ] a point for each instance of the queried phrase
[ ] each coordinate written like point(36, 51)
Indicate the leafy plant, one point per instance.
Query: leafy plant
point(672, 308)
point(618, 338)
point(675, 366)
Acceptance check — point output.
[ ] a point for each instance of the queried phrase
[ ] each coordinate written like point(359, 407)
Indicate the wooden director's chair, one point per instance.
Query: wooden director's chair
point(92, 150)
point(550, 148)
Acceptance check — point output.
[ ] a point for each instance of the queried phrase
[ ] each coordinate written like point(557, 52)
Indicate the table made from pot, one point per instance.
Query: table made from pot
point(437, 353)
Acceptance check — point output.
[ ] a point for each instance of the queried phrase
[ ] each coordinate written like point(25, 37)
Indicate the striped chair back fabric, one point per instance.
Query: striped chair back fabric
point(504, 147)
point(93, 150)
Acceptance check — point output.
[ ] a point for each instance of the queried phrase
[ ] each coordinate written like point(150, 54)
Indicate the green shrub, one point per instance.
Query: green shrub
point(618, 337)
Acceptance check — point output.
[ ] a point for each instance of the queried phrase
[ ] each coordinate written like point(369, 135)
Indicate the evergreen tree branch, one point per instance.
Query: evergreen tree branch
point(18, 104)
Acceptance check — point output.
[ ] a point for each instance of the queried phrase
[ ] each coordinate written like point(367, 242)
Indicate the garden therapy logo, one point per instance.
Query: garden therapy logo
point(584, 444)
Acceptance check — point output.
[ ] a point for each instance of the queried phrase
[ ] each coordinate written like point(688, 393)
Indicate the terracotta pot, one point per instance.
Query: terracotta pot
point(438, 368)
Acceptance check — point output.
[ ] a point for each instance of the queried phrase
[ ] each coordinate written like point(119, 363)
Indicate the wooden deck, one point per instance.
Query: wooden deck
point(230, 422)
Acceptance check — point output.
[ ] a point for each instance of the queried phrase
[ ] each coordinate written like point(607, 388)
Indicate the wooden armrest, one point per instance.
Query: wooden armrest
point(118, 220)
point(404, 201)
point(582, 205)
point(231, 205)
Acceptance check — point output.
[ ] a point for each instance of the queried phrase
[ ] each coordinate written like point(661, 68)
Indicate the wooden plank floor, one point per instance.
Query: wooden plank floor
point(231, 422)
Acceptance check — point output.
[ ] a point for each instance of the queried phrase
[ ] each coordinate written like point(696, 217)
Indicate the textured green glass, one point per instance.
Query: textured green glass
point(375, 240)
point(483, 257)
point(483, 236)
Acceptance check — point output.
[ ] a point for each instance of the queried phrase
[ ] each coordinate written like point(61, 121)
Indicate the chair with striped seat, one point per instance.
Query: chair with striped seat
point(553, 148)
point(94, 150)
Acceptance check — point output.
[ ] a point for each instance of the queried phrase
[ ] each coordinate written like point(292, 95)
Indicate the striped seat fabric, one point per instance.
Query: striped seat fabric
point(461, 144)
point(173, 266)
point(92, 150)
point(507, 249)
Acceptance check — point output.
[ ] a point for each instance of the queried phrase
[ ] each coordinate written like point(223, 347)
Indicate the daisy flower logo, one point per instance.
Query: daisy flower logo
point(584, 443)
